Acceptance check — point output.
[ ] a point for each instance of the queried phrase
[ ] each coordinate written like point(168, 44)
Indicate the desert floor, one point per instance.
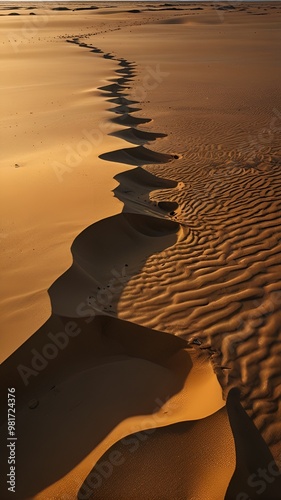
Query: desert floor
point(141, 250)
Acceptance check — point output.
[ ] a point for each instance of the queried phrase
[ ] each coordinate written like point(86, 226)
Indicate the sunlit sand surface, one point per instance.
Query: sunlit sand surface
point(140, 249)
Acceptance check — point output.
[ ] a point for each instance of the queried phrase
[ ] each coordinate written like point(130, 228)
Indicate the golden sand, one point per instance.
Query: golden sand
point(140, 249)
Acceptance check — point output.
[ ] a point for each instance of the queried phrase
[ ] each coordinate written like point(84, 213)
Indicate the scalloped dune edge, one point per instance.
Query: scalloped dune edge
point(111, 373)
point(101, 355)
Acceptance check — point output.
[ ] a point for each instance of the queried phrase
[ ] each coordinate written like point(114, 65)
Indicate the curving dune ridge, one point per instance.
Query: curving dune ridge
point(153, 372)
point(172, 304)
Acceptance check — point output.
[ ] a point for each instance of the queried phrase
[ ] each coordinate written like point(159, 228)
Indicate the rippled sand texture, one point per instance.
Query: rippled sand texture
point(219, 285)
point(174, 301)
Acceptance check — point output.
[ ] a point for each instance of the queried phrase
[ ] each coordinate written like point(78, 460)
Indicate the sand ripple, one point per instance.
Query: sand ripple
point(220, 282)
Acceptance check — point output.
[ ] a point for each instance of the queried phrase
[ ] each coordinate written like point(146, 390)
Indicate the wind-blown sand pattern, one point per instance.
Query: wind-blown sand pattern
point(172, 302)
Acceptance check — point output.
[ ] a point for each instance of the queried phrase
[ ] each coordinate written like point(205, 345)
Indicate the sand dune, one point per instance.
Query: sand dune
point(253, 458)
point(150, 316)
point(139, 377)
point(220, 284)
point(128, 120)
point(136, 156)
point(143, 457)
point(137, 136)
point(115, 242)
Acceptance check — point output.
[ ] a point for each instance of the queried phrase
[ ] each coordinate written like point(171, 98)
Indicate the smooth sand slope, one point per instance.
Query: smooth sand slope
point(166, 452)
point(54, 126)
point(172, 285)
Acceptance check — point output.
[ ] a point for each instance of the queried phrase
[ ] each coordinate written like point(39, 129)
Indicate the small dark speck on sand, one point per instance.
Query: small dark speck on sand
point(16, 165)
